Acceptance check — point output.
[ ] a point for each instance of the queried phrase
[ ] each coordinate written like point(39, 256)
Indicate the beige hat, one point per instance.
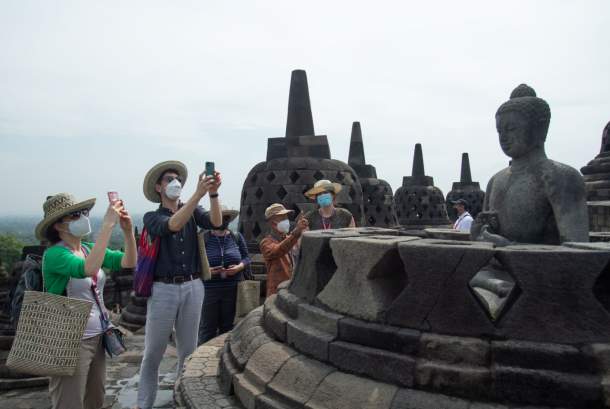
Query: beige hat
point(58, 206)
point(231, 213)
point(153, 175)
point(322, 186)
point(276, 209)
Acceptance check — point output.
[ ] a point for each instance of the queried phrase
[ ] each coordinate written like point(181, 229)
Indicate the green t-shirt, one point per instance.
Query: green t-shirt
point(59, 264)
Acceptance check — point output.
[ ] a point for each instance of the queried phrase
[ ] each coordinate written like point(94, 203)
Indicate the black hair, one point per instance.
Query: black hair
point(52, 234)
point(166, 171)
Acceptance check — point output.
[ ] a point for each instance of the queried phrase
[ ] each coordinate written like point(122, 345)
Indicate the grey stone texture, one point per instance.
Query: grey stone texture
point(314, 271)
point(437, 297)
point(561, 307)
point(447, 234)
point(378, 199)
point(319, 319)
point(275, 320)
point(454, 350)
point(465, 189)
point(535, 200)
point(546, 388)
point(309, 340)
point(459, 380)
point(369, 276)
point(599, 216)
point(597, 172)
point(343, 391)
point(414, 399)
point(297, 380)
point(288, 303)
point(266, 362)
point(395, 339)
point(536, 355)
point(247, 336)
point(378, 364)
point(418, 203)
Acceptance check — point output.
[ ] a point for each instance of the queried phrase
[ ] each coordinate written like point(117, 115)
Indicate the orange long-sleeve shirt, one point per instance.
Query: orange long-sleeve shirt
point(278, 259)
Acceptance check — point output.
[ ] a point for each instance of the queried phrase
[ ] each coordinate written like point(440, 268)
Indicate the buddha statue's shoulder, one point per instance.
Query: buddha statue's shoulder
point(559, 178)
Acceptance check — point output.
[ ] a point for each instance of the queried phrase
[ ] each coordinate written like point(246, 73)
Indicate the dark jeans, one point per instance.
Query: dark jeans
point(218, 312)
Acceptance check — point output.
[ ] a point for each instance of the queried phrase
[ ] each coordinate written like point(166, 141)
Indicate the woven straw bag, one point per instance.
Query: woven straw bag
point(48, 335)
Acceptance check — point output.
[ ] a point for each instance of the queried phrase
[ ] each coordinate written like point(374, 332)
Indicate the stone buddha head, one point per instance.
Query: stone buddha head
point(522, 122)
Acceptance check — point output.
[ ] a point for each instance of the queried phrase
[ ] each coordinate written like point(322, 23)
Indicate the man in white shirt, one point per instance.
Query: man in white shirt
point(464, 220)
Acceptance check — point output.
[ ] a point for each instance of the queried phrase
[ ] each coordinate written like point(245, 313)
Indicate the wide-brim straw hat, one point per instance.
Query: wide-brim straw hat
point(276, 209)
point(231, 213)
point(58, 206)
point(322, 186)
point(153, 175)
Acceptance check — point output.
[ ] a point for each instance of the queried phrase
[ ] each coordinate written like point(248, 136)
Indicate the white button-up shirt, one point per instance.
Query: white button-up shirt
point(463, 222)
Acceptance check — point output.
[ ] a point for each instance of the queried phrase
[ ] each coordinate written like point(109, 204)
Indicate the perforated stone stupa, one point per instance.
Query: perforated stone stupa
point(377, 193)
point(465, 189)
point(597, 183)
point(418, 202)
point(294, 163)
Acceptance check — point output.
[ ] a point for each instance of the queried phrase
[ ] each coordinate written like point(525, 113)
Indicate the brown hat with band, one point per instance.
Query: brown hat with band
point(322, 186)
point(58, 206)
point(276, 209)
point(153, 175)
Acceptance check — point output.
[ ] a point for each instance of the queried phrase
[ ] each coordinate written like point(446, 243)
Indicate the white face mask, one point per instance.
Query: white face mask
point(173, 189)
point(80, 227)
point(284, 226)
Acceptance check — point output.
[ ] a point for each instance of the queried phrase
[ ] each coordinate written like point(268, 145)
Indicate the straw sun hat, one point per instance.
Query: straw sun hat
point(275, 210)
point(322, 186)
point(58, 206)
point(232, 214)
point(150, 180)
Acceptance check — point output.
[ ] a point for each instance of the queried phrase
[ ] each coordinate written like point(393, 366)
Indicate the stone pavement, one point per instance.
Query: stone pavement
point(121, 385)
point(198, 386)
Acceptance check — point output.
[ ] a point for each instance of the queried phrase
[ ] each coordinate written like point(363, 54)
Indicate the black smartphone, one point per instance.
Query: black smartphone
point(209, 169)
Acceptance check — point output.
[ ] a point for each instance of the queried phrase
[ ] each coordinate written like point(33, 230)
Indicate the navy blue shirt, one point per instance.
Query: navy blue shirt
point(226, 252)
point(178, 252)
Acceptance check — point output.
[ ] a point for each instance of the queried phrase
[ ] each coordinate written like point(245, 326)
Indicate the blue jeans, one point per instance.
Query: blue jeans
point(170, 305)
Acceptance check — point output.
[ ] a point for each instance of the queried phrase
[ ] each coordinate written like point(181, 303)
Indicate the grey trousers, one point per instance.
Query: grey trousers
point(84, 389)
point(170, 306)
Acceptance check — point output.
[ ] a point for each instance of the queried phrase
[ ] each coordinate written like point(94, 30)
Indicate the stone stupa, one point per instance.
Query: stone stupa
point(418, 203)
point(378, 198)
point(294, 163)
point(465, 189)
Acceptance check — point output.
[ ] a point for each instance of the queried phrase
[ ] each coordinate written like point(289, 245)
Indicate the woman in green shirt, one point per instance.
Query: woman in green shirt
point(73, 268)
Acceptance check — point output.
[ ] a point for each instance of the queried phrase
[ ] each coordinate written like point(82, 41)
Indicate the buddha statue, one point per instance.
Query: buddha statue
point(534, 200)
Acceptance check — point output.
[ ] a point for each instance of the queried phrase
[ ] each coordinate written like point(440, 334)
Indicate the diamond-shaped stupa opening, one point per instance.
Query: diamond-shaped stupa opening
point(281, 192)
point(495, 289)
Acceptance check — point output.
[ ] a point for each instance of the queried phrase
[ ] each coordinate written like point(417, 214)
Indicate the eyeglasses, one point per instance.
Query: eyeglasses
point(170, 178)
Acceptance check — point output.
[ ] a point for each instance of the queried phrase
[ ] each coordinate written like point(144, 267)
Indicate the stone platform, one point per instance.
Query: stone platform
point(393, 322)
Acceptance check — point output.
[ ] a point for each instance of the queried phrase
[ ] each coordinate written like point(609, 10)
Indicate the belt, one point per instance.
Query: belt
point(175, 279)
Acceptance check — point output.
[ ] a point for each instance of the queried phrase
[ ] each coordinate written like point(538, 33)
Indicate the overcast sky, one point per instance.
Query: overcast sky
point(92, 94)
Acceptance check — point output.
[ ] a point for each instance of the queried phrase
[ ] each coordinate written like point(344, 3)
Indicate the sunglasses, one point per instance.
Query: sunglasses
point(79, 213)
point(170, 178)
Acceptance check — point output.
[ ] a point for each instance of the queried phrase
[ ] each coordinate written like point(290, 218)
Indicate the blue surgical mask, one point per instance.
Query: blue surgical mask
point(325, 199)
